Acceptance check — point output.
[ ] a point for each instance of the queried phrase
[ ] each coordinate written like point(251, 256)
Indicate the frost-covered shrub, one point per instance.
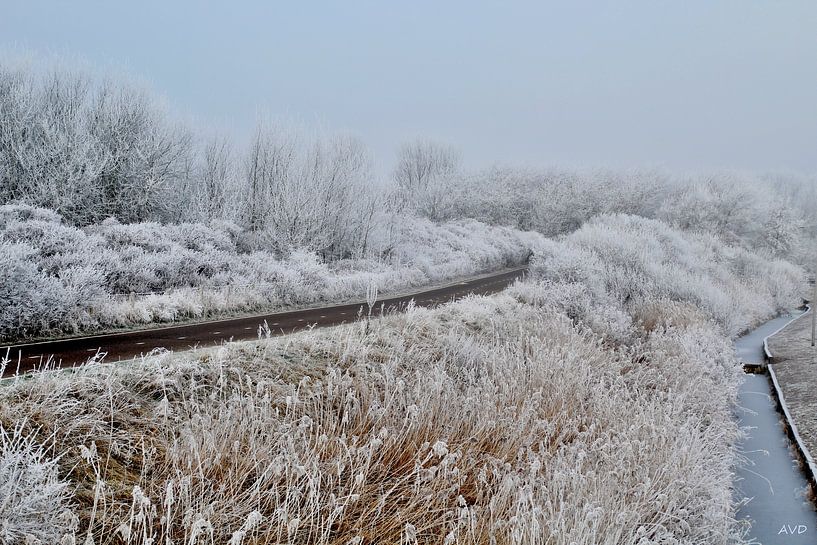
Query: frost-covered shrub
point(629, 262)
point(445, 250)
point(24, 212)
point(113, 274)
point(553, 201)
point(32, 301)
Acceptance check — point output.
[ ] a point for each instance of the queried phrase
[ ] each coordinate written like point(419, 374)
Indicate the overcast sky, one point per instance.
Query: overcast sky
point(689, 85)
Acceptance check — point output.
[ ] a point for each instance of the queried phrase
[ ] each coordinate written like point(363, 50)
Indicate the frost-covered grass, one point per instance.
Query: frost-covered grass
point(57, 278)
point(487, 421)
point(563, 410)
point(33, 497)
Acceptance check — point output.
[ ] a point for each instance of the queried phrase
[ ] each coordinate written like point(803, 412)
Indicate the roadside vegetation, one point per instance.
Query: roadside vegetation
point(591, 403)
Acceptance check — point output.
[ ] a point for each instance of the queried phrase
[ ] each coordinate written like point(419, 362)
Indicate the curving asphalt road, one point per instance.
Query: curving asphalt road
point(126, 345)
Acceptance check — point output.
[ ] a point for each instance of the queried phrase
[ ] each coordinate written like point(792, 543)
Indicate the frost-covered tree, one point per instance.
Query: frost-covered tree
point(422, 163)
point(87, 149)
point(424, 174)
point(143, 157)
point(783, 229)
point(210, 184)
point(217, 179)
point(724, 206)
point(307, 193)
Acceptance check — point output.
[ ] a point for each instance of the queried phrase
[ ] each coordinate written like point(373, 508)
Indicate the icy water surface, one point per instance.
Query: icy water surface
point(778, 510)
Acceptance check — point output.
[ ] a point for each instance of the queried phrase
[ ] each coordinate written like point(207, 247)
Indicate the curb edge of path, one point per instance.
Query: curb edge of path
point(806, 459)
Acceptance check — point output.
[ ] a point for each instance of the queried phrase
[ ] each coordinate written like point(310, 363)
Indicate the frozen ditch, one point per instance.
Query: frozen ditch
point(778, 509)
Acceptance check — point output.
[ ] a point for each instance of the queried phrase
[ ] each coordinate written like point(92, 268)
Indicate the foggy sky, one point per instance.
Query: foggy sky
point(692, 84)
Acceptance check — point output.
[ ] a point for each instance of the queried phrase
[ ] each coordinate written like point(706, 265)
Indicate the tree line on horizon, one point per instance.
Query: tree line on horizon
point(92, 149)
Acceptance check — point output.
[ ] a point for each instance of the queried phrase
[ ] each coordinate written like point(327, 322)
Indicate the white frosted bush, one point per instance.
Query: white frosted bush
point(625, 261)
point(32, 300)
point(24, 212)
point(61, 278)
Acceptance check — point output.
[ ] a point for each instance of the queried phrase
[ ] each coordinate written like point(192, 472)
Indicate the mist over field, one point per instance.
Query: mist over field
point(592, 401)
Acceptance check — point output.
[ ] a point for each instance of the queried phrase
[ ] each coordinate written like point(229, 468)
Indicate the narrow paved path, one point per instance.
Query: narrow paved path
point(129, 344)
point(778, 510)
